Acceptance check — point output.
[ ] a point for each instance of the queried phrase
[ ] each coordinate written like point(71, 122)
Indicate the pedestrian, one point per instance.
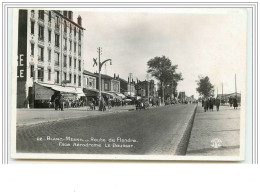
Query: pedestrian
point(202, 103)
point(94, 104)
point(206, 105)
point(235, 103)
point(61, 101)
point(211, 104)
point(217, 103)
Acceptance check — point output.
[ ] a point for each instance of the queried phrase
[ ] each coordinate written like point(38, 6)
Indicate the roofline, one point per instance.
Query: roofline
point(69, 20)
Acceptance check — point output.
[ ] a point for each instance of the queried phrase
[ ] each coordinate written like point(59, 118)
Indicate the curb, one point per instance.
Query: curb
point(184, 142)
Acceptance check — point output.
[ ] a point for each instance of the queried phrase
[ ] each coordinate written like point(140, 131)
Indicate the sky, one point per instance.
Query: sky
point(201, 41)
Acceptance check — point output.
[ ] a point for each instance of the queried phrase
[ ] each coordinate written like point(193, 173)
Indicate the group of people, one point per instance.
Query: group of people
point(209, 103)
point(59, 102)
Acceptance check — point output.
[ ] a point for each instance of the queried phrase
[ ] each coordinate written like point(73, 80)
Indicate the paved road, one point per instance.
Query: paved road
point(154, 131)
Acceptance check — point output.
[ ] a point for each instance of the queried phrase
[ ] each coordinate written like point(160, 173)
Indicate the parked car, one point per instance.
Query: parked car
point(141, 104)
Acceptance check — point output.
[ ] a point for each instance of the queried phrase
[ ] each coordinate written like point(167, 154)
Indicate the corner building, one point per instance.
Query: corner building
point(50, 55)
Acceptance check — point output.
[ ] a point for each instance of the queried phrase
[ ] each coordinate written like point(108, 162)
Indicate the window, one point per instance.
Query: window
point(75, 45)
point(40, 52)
point(32, 70)
point(70, 61)
point(65, 13)
point(57, 40)
point(49, 74)
point(70, 28)
point(57, 76)
point(49, 16)
point(41, 33)
point(70, 78)
point(65, 44)
point(32, 28)
point(79, 80)
point(65, 61)
point(65, 76)
point(65, 26)
point(70, 15)
point(75, 65)
point(70, 45)
point(40, 74)
point(49, 33)
point(75, 78)
point(106, 86)
point(57, 22)
point(79, 65)
point(57, 58)
point(32, 49)
point(79, 50)
point(49, 55)
point(79, 34)
point(41, 14)
point(75, 31)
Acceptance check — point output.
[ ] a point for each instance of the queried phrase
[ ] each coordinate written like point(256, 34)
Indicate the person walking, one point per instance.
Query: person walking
point(217, 103)
point(206, 103)
point(235, 103)
point(61, 101)
point(211, 104)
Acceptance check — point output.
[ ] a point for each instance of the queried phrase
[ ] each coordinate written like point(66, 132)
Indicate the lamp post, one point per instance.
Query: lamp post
point(100, 64)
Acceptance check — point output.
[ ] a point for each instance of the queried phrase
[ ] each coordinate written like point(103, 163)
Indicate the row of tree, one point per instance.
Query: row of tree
point(162, 69)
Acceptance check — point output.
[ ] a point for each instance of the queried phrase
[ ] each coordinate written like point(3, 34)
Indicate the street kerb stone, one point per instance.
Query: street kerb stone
point(182, 147)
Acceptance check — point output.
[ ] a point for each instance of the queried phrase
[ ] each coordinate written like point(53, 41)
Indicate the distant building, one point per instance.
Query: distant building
point(50, 48)
point(225, 97)
point(108, 83)
point(142, 88)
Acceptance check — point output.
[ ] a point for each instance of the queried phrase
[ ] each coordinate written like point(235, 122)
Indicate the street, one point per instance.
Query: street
point(153, 131)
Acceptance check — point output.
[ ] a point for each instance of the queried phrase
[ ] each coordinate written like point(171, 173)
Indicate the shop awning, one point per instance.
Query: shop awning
point(42, 93)
point(66, 89)
point(121, 95)
point(90, 92)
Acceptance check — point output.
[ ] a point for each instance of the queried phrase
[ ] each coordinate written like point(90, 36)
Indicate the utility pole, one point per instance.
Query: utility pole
point(236, 84)
point(222, 93)
point(148, 90)
point(100, 64)
point(130, 81)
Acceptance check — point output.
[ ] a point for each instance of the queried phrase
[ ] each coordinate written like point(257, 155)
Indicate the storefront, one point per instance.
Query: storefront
point(43, 93)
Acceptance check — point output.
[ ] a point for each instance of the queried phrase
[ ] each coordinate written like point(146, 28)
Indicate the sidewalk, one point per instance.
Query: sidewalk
point(215, 133)
point(36, 116)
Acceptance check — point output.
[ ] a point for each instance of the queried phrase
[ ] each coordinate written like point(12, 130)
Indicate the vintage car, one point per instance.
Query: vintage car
point(141, 104)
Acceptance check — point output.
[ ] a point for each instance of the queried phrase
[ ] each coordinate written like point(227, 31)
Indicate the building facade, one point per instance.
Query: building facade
point(108, 83)
point(52, 55)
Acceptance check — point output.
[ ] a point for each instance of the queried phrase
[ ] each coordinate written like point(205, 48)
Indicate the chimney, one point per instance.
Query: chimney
point(79, 20)
point(114, 75)
point(118, 76)
point(128, 79)
point(132, 80)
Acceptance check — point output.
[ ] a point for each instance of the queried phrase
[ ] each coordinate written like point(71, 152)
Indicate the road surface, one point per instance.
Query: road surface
point(153, 131)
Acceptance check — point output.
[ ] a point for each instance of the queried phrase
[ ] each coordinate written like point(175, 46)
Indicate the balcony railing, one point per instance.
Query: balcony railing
point(41, 58)
point(57, 26)
point(41, 38)
point(56, 63)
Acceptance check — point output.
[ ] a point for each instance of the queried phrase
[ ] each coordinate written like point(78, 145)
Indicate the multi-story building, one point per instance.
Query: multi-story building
point(50, 53)
point(108, 83)
point(143, 87)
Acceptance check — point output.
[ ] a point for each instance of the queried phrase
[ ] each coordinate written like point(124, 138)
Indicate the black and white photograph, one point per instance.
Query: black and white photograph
point(129, 83)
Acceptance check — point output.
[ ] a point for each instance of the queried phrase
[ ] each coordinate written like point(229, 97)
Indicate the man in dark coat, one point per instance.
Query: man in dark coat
point(217, 103)
point(235, 103)
point(61, 101)
point(206, 104)
point(211, 104)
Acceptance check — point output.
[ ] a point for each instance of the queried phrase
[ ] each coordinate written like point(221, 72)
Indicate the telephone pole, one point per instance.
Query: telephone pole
point(100, 64)
point(236, 84)
point(130, 81)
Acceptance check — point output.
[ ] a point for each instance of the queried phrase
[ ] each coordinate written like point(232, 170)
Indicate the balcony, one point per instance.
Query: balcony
point(40, 58)
point(56, 63)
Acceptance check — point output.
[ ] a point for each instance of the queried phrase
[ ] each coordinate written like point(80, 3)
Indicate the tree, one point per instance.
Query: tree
point(162, 69)
point(204, 86)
